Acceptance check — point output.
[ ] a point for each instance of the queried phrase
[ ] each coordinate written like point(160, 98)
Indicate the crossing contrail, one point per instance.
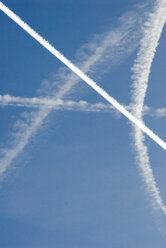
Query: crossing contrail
point(60, 104)
point(141, 70)
point(111, 47)
point(82, 75)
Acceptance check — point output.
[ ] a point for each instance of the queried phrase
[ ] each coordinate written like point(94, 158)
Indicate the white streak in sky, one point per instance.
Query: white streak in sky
point(120, 40)
point(83, 76)
point(141, 70)
point(59, 104)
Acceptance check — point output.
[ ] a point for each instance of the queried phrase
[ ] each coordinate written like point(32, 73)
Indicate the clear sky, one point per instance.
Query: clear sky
point(75, 182)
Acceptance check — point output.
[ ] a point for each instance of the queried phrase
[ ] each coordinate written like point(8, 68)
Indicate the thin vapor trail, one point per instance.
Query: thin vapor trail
point(141, 70)
point(114, 42)
point(59, 104)
point(83, 76)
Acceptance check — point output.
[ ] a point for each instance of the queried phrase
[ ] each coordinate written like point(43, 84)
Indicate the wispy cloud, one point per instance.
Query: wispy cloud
point(152, 30)
point(81, 105)
point(99, 48)
point(82, 74)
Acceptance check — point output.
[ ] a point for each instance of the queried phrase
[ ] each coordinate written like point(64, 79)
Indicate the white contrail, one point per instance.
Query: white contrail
point(59, 104)
point(83, 76)
point(118, 40)
point(34, 102)
point(141, 70)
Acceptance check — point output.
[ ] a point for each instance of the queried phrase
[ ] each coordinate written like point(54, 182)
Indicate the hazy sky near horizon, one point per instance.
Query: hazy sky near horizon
point(76, 183)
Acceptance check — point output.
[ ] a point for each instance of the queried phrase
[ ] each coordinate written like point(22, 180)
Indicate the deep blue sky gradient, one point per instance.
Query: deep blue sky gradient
point(77, 183)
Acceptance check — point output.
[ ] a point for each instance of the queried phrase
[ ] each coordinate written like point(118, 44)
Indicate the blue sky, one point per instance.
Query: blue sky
point(77, 182)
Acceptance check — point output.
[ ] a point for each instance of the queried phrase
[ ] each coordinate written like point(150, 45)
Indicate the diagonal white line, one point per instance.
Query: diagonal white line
point(118, 41)
point(82, 75)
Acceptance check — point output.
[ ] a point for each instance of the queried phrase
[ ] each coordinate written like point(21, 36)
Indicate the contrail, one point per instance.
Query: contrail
point(141, 70)
point(119, 42)
point(82, 75)
point(59, 104)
